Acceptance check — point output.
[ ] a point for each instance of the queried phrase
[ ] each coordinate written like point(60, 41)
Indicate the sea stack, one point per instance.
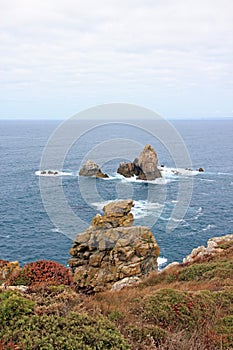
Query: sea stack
point(90, 168)
point(112, 252)
point(145, 167)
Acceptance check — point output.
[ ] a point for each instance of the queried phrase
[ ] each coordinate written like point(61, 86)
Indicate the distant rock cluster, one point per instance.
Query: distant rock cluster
point(145, 167)
point(112, 253)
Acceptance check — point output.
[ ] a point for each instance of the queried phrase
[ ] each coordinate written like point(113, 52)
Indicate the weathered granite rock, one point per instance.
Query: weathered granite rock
point(125, 282)
point(90, 168)
point(7, 269)
point(111, 250)
point(145, 167)
point(215, 246)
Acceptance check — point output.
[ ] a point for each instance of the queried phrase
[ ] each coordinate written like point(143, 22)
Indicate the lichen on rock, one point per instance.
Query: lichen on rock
point(111, 250)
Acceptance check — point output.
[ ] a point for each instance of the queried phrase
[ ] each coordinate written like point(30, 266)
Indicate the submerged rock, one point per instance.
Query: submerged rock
point(90, 168)
point(112, 250)
point(145, 167)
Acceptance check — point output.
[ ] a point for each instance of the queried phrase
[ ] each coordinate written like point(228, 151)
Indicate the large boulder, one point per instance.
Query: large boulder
point(145, 167)
point(112, 250)
point(90, 168)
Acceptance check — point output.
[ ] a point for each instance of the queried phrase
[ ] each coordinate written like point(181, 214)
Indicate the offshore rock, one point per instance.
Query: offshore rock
point(145, 167)
point(90, 168)
point(148, 162)
point(112, 250)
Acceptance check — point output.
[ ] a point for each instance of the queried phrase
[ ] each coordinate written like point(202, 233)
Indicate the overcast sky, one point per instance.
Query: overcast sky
point(60, 57)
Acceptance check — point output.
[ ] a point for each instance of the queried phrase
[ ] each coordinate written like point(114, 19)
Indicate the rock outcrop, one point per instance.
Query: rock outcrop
point(111, 250)
point(145, 167)
point(90, 168)
point(215, 246)
point(7, 269)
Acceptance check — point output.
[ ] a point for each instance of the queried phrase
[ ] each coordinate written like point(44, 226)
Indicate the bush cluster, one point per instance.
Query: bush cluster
point(42, 271)
point(78, 331)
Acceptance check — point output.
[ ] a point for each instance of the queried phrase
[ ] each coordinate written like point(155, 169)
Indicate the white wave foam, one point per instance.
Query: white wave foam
point(52, 173)
point(141, 209)
point(207, 180)
point(208, 227)
point(163, 218)
point(56, 230)
point(198, 213)
point(227, 174)
point(159, 181)
point(171, 172)
point(161, 262)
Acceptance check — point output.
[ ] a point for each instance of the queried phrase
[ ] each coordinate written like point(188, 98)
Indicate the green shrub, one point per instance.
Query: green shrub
point(207, 271)
point(76, 331)
point(146, 333)
point(13, 306)
point(42, 271)
point(176, 309)
point(225, 329)
point(115, 316)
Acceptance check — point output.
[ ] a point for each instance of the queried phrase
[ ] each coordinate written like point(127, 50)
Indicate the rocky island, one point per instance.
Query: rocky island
point(145, 167)
point(90, 168)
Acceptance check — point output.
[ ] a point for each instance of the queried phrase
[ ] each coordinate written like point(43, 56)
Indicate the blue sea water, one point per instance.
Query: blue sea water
point(27, 233)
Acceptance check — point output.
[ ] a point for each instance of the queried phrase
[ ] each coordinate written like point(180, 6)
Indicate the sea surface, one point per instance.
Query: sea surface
point(28, 233)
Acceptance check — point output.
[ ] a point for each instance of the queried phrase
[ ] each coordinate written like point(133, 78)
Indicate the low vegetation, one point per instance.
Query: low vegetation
point(187, 307)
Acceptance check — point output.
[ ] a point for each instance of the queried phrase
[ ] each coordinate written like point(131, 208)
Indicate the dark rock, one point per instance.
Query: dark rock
point(145, 167)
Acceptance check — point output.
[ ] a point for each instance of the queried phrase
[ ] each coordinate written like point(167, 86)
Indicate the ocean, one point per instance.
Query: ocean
point(28, 233)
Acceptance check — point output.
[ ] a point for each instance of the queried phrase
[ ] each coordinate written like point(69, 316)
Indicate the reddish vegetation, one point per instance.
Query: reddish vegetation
point(8, 346)
point(42, 271)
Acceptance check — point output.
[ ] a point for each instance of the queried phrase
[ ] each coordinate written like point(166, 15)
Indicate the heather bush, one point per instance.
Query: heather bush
point(174, 309)
point(8, 346)
point(42, 271)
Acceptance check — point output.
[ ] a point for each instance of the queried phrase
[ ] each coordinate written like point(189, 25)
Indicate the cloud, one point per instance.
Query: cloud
point(113, 48)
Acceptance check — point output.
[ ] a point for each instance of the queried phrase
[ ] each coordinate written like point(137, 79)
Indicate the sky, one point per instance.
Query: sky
point(60, 57)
